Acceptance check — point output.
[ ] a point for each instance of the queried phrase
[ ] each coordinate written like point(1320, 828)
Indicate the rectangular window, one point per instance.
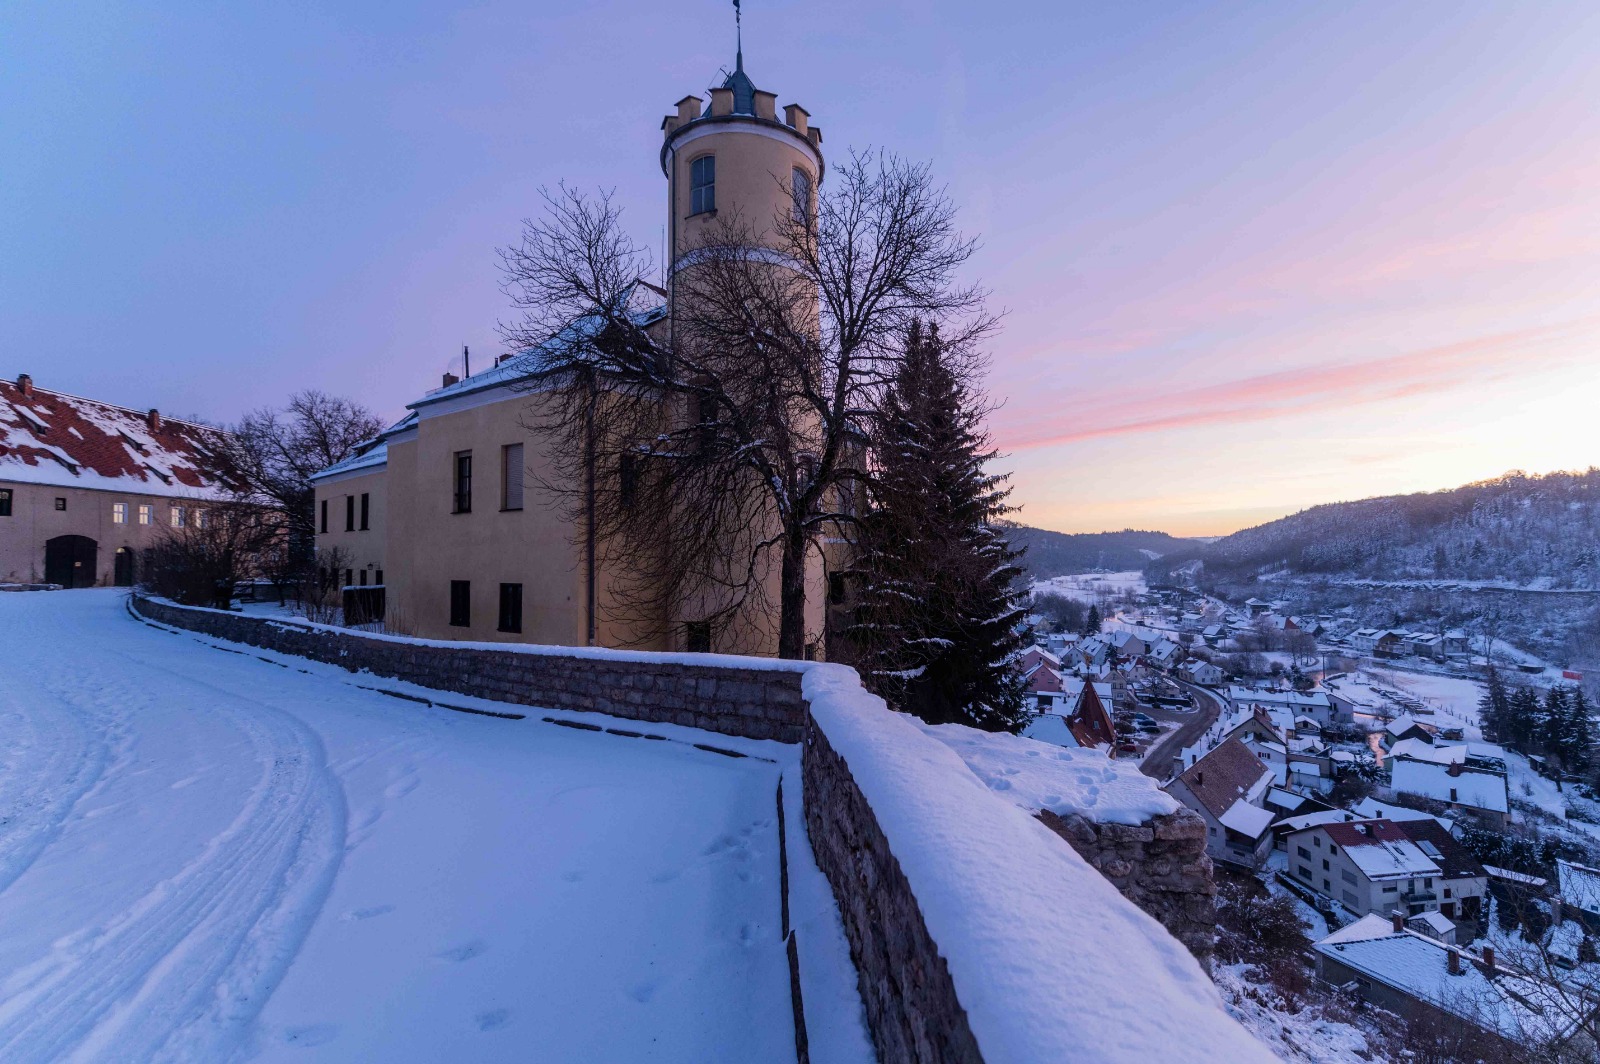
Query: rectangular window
point(697, 637)
point(349, 513)
point(1349, 877)
point(463, 493)
point(349, 578)
point(627, 480)
point(703, 184)
point(461, 603)
point(510, 608)
point(1390, 888)
point(1350, 898)
point(366, 511)
point(147, 513)
point(324, 524)
point(377, 578)
point(176, 517)
point(1316, 840)
point(511, 475)
point(119, 513)
point(1304, 873)
point(1304, 852)
point(362, 578)
point(61, 504)
point(1325, 865)
point(5, 502)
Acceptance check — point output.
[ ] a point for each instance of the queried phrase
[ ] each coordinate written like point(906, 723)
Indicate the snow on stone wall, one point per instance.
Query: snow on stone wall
point(977, 935)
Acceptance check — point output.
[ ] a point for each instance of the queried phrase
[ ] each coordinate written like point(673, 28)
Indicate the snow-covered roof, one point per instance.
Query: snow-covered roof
point(535, 361)
point(66, 441)
point(1381, 849)
point(1402, 724)
point(1480, 790)
point(1372, 809)
point(1518, 1007)
point(1309, 699)
point(1580, 885)
point(1317, 819)
point(1050, 728)
point(1436, 921)
point(371, 455)
point(1248, 820)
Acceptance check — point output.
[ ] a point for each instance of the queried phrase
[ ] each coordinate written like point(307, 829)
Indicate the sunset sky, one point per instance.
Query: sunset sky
point(1254, 257)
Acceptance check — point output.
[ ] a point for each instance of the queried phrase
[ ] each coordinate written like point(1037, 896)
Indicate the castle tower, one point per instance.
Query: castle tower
point(735, 154)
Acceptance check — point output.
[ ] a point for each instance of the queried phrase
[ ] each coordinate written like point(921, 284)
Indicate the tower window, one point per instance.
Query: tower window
point(511, 476)
point(349, 513)
point(703, 184)
point(5, 502)
point(800, 189)
point(366, 511)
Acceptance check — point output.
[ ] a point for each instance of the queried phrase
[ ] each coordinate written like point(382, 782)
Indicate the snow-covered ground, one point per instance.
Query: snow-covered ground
point(208, 855)
point(1094, 587)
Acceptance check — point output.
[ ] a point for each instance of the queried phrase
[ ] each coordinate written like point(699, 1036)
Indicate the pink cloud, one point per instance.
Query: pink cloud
point(1311, 388)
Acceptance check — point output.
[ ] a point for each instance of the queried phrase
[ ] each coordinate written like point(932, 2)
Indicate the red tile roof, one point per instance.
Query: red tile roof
point(66, 441)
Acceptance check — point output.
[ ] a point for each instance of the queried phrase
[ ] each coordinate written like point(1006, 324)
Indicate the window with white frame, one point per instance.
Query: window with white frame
point(119, 513)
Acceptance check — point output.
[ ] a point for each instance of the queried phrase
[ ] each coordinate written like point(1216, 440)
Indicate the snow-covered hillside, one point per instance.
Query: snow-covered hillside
point(209, 855)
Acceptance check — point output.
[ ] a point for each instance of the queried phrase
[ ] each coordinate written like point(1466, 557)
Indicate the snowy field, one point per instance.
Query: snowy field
point(210, 856)
point(1094, 587)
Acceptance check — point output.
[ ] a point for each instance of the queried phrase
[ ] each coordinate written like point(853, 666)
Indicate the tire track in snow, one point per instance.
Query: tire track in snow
point(49, 758)
point(181, 972)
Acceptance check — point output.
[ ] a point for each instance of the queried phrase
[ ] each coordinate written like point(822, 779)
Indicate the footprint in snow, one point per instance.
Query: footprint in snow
point(369, 913)
point(464, 952)
point(642, 992)
point(316, 1034)
point(492, 1020)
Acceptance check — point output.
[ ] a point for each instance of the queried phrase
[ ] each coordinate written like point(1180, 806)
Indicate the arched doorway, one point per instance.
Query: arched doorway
point(122, 571)
point(70, 561)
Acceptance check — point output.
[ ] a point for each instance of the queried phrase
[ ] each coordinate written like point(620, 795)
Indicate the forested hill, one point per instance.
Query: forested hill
point(1539, 531)
point(1056, 553)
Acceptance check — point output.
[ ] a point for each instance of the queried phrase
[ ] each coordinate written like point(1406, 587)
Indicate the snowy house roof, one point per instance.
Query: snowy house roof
point(1580, 885)
point(1316, 819)
point(1372, 809)
point(1498, 998)
point(1225, 776)
point(1248, 820)
point(1050, 728)
point(66, 441)
point(1435, 922)
point(1381, 849)
point(369, 455)
point(1451, 783)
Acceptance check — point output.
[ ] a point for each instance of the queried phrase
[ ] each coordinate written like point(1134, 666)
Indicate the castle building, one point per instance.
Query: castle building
point(444, 509)
point(86, 486)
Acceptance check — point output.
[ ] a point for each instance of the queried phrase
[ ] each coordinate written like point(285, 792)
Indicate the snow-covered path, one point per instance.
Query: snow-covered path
point(205, 855)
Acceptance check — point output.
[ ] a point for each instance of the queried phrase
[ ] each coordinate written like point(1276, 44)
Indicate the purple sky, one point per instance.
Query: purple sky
point(1254, 257)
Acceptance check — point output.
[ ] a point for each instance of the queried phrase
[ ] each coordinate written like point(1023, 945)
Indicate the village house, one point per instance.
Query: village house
point(1201, 672)
point(1579, 887)
point(86, 487)
point(1378, 866)
point(445, 510)
point(1227, 788)
point(1087, 724)
point(1419, 976)
point(1482, 792)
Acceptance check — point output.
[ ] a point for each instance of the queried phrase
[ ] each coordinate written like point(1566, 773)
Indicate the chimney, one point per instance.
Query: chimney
point(24, 384)
point(449, 379)
point(688, 109)
point(1199, 778)
point(153, 419)
point(1399, 919)
point(1454, 769)
point(1488, 956)
point(797, 116)
point(767, 105)
point(1453, 960)
point(721, 102)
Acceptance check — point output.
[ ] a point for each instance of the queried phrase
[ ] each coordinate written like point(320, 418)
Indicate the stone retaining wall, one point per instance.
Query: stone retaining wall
point(1161, 866)
point(912, 1009)
point(753, 703)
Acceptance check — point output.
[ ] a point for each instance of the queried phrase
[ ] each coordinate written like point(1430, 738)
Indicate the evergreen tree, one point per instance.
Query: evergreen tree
point(1494, 710)
point(1523, 722)
point(1580, 733)
point(1092, 625)
point(1552, 726)
point(936, 628)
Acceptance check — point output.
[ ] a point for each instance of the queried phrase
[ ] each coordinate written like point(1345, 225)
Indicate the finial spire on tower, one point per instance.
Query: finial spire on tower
point(738, 36)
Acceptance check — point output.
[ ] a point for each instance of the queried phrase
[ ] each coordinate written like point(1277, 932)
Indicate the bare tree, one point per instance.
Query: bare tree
point(276, 452)
point(704, 451)
point(207, 548)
